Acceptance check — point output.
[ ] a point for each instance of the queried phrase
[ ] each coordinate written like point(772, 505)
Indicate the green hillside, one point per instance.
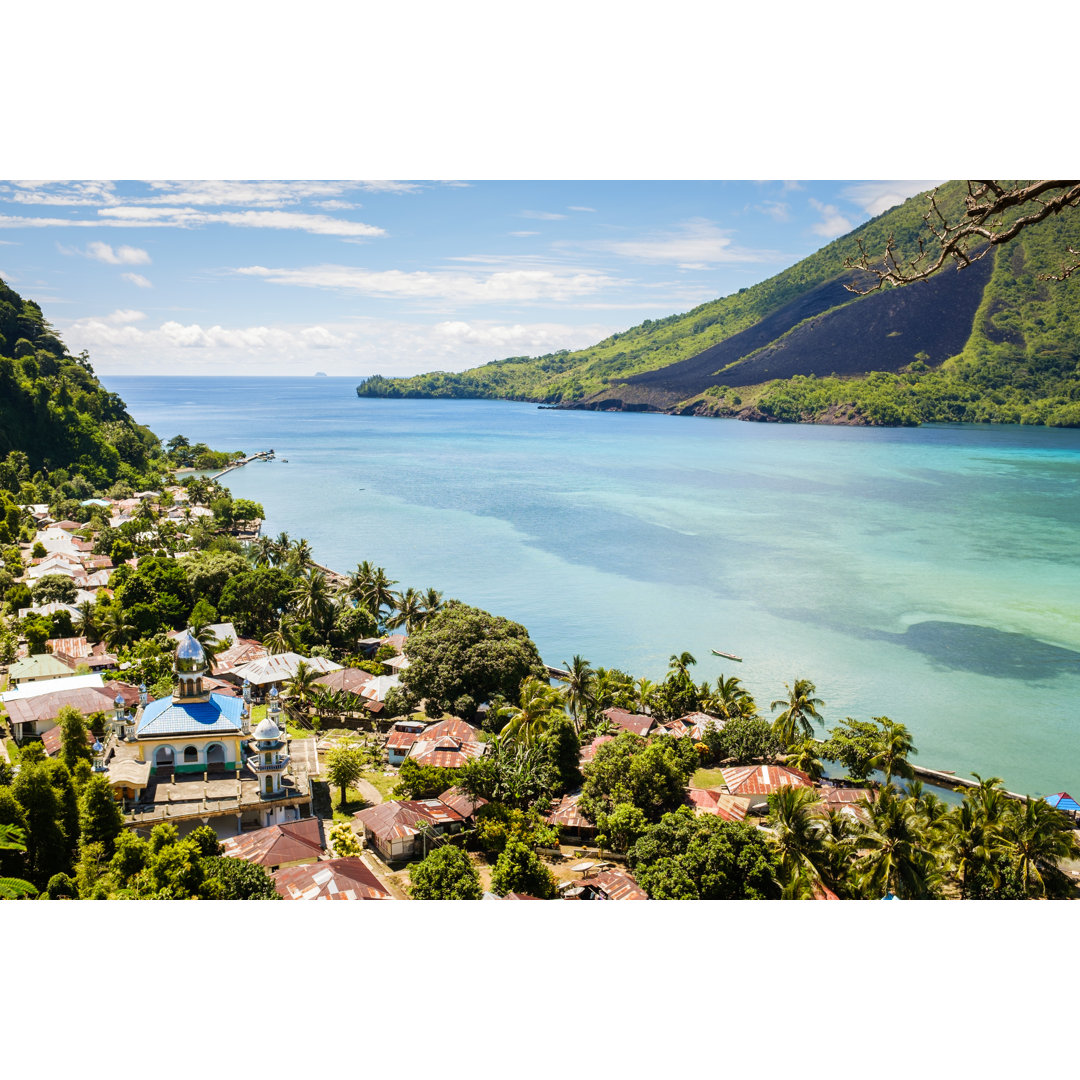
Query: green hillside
point(991, 343)
point(58, 424)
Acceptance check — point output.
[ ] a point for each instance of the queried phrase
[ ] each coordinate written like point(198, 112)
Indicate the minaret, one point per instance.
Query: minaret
point(190, 667)
point(245, 714)
point(268, 762)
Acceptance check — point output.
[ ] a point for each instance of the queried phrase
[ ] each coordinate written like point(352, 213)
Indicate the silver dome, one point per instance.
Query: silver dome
point(267, 731)
point(190, 657)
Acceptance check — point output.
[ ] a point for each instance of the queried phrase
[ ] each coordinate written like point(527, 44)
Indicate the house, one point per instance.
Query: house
point(758, 782)
point(607, 885)
point(692, 725)
point(718, 803)
point(401, 738)
point(77, 650)
point(401, 830)
point(465, 805)
point(589, 752)
point(273, 671)
point(53, 740)
point(38, 668)
point(291, 843)
point(572, 824)
point(332, 879)
point(637, 723)
point(447, 744)
point(241, 651)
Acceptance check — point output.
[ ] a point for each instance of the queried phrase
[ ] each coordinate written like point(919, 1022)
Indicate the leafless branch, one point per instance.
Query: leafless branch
point(970, 239)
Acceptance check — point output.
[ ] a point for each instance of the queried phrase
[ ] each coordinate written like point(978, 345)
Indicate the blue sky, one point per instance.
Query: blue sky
point(396, 277)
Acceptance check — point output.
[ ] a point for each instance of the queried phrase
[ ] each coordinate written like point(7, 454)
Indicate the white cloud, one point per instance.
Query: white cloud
point(778, 211)
point(357, 348)
point(123, 316)
point(337, 204)
point(877, 196)
point(583, 209)
point(51, 193)
point(692, 245)
point(138, 280)
point(454, 286)
point(832, 223)
point(120, 256)
point(541, 215)
point(524, 232)
point(187, 217)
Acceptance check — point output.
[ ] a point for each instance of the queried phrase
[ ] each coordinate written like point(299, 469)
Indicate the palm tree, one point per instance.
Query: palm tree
point(797, 836)
point(538, 705)
point(839, 846)
point(312, 601)
point(678, 665)
point(971, 844)
point(282, 638)
point(895, 857)
point(730, 700)
point(380, 594)
point(210, 642)
point(578, 688)
point(433, 602)
point(410, 611)
point(645, 690)
point(282, 547)
point(893, 749)
point(116, 629)
point(1036, 837)
point(804, 757)
point(261, 552)
point(299, 556)
point(800, 707)
point(302, 687)
point(87, 625)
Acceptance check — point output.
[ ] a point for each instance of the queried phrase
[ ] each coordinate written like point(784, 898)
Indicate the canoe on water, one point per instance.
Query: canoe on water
point(726, 655)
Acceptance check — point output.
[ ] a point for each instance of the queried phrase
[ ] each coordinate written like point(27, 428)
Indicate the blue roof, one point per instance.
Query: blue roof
point(1063, 801)
point(218, 716)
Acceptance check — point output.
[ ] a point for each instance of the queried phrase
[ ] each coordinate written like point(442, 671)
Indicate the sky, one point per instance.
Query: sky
point(291, 277)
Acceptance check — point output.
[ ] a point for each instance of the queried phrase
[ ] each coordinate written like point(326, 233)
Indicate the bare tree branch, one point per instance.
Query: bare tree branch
point(982, 228)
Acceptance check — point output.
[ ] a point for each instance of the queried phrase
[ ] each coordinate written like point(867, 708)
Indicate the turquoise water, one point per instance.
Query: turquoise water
point(929, 574)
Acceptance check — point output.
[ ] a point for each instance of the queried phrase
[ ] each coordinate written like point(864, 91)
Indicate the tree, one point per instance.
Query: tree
point(622, 828)
point(520, 870)
point(100, 819)
point(893, 747)
point(895, 856)
point(226, 878)
point(563, 750)
point(799, 708)
point(46, 844)
point(466, 652)
point(853, 743)
point(798, 838)
point(743, 740)
point(312, 601)
point(804, 757)
point(12, 838)
point(994, 212)
point(578, 688)
point(74, 743)
point(447, 873)
point(344, 766)
point(498, 824)
point(410, 611)
point(1036, 837)
point(344, 841)
point(650, 776)
point(666, 879)
point(539, 707)
point(301, 688)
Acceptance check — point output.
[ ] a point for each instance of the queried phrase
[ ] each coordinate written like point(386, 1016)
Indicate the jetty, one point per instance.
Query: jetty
point(262, 455)
point(557, 672)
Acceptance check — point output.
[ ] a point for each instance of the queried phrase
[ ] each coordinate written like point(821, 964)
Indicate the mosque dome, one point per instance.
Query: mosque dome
point(190, 657)
point(267, 731)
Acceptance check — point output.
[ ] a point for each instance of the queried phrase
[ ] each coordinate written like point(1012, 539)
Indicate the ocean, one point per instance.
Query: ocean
point(927, 574)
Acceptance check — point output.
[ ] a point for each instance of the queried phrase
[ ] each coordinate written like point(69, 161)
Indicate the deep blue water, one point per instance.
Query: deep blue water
point(929, 574)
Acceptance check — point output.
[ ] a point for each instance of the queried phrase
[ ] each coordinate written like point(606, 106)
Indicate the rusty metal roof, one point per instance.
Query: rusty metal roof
point(277, 844)
point(589, 752)
point(398, 820)
point(617, 885)
point(638, 723)
point(460, 802)
point(763, 779)
point(401, 740)
point(566, 814)
point(720, 803)
point(333, 879)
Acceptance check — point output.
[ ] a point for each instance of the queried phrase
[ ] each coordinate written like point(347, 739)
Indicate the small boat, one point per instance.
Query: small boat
point(726, 655)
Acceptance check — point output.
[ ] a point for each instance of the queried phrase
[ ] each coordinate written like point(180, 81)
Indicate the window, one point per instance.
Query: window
point(191, 755)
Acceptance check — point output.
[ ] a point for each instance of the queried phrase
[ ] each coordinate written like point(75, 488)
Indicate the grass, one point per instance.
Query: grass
point(707, 778)
point(382, 783)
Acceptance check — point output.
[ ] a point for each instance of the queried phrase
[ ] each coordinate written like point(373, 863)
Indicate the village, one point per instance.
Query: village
point(422, 763)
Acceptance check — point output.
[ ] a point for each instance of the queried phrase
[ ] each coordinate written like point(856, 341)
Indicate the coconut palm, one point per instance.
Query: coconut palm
point(578, 688)
point(895, 852)
point(410, 611)
point(282, 547)
point(800, 707)
point(645, 690)
point(261, 552)
point(312, 601)
point(302, 688)
point(539, 704)
point(299, 556)
point(971, 844)
point(380, 594)
point(678, 665)
point(804, 757)
point(282, 638)
point(840, 843)
point(730, 700)
point(894, 746)
point(797, 836)
point(433, 602)
point(87, 620)
point(116, 629)
point(1037, 836)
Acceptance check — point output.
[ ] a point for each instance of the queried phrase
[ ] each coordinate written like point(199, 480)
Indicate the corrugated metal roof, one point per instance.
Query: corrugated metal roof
point(566, 814)
point(763, 779)
point(397, 820)
point(219, 715)
point(638, 723)
point(589, 752)
point(617, 885)
point(277, 844)
point(334, 879)
point(720, 803)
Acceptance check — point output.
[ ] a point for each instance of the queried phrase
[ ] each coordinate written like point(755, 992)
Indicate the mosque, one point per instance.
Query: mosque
point(193, 758)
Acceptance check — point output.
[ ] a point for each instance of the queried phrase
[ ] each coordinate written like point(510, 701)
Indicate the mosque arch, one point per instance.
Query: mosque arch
point(191, 755)
point(164, 758)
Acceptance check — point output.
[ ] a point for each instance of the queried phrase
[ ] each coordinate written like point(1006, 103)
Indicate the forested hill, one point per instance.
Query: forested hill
point(994, 342)
point(55, 416)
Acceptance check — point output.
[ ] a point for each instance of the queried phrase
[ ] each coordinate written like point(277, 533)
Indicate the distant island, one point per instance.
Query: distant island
point(321, 375)
point(995, 343)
